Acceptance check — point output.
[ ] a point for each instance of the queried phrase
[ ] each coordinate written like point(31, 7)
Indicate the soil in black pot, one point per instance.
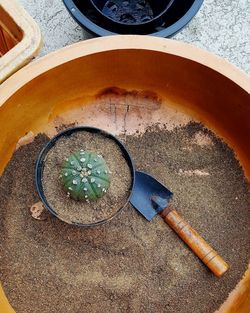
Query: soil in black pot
point(84, 212)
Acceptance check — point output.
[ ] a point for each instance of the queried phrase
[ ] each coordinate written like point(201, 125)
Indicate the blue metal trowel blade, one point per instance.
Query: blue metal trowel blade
point(144, 189)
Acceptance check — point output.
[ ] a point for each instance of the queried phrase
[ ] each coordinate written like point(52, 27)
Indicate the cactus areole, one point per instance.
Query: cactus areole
point(85, 176)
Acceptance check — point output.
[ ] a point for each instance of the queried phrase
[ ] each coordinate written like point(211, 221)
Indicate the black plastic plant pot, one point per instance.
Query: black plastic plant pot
point(105, 17)
point(42, 158)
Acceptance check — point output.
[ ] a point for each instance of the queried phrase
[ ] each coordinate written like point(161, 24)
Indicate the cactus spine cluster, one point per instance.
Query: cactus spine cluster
point(85, 176)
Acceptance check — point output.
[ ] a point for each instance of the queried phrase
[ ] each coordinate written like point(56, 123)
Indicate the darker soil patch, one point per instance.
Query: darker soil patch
point(129, 264)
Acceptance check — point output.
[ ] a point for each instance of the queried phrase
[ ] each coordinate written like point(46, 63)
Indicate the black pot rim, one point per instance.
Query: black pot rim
point(86, 23)
point(134, 24)
point(40, 165)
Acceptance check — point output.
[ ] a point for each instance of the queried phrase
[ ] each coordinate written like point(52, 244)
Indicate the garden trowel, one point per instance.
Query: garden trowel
point(150, 197)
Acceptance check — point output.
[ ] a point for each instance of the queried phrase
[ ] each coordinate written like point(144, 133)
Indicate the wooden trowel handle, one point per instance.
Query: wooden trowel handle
point(199, 246)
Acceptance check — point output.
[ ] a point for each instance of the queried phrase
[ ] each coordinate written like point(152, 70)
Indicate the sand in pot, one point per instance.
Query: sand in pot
point(129, 264)
point(81, 211)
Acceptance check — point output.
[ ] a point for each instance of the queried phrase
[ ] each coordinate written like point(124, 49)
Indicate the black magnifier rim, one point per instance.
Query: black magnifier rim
point(42, 158)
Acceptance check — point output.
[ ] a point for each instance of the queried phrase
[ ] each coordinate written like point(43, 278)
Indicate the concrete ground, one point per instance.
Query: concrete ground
point(221, 27)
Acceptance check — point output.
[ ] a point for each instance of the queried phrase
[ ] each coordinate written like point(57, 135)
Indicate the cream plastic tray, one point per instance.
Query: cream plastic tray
point(20, 38)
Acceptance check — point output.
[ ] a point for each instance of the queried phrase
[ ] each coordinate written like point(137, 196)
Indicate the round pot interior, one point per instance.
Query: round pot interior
point(170, 17)
point(148, 11)
point(187, 80)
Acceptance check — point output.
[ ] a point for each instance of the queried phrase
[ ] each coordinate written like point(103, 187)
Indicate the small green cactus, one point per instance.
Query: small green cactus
point(85, 176)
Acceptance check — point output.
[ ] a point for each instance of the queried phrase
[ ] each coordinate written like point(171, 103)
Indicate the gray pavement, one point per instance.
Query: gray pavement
point(221, 27)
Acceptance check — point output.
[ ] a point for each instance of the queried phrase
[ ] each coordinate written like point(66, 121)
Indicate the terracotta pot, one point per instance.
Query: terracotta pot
point(60, 85)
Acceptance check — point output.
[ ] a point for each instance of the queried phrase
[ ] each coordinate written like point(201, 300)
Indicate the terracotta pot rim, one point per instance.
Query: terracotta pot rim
point(122, 42)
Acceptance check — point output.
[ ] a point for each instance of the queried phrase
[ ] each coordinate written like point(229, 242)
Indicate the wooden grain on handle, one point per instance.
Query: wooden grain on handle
point(199, 246)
